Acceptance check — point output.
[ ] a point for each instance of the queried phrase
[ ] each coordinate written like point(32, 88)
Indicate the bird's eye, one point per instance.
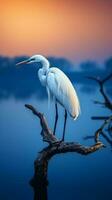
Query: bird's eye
point(32, 59)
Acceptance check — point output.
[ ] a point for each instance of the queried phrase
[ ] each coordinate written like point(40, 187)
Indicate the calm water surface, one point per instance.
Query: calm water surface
point(71, 176)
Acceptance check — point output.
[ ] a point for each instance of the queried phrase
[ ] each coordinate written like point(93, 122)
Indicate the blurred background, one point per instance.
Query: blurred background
point(75, 36)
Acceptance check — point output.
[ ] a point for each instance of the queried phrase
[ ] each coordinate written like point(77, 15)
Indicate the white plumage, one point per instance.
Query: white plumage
point(59, 85)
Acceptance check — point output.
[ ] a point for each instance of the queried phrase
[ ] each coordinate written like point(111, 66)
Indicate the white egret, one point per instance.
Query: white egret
point(59, 85)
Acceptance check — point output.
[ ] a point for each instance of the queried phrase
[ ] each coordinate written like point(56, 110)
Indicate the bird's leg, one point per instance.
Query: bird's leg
point(64, 126)
point(56, 118)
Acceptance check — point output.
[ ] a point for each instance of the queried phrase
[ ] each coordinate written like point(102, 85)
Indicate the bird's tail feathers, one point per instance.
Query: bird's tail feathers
point(76, 116)
point(77, 113)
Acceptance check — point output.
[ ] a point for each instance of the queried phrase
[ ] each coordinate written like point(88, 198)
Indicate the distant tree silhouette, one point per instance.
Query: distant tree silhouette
point(22, 82)
point(89, 66)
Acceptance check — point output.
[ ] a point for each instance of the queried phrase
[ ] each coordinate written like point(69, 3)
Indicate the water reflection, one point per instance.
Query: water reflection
point(20, 142)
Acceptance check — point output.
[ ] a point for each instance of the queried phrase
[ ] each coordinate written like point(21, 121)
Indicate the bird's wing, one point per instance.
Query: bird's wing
point(62, 89)
point(49, 96)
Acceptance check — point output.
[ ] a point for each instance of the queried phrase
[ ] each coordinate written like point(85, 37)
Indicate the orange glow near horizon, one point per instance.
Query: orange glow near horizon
point(73, 29)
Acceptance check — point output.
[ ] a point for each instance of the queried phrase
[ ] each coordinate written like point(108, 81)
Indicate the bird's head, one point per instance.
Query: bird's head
point(33, 59)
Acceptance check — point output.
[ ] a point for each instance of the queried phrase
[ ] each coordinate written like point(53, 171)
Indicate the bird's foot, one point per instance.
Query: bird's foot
point(60, 141)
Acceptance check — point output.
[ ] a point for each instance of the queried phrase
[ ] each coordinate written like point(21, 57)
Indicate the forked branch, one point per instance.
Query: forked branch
point(39, 181)
point(107, 103)
point(107, 119)
point(54, 144)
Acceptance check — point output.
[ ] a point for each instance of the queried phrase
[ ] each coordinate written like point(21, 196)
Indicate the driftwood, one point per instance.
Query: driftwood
point(39, 181)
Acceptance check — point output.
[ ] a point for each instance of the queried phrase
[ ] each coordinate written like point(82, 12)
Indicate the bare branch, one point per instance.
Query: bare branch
point(46, 131)
point(107, 138)
point(100, 117)
point(57, 146)
point(107, 78)
point(99, 102)
point(107, 102)
point(39, 181)
point(100, 130)
point(94, 78)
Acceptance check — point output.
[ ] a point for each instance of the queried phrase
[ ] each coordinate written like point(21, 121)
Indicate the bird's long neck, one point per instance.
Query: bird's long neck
point(43, 70)
point(45, 64)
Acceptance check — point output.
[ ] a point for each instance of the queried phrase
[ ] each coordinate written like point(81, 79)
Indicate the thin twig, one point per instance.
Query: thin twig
point(100, 130)
point(107, 102)
point(99, 117)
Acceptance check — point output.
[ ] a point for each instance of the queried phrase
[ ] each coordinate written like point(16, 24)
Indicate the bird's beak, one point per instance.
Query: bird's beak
point(22, 62)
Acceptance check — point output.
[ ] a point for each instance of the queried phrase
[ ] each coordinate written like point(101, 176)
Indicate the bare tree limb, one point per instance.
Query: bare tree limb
point(57, 146)
point(107, 78)
point(99, 102)
point(107, 101)
point(107, 138)
point(99, 117)
point(46, 131)
point(107, 104)
point(100, 130)
point(39, 181)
